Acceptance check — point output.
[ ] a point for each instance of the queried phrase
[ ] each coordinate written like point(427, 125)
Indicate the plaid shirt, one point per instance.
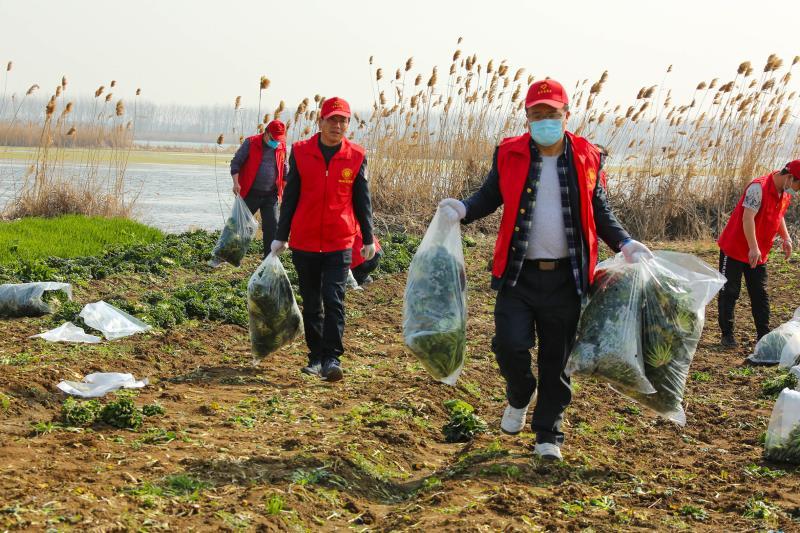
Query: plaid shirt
point(519, 243)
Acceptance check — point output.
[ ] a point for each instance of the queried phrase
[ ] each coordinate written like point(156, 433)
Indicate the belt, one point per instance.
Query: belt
point(548, 264)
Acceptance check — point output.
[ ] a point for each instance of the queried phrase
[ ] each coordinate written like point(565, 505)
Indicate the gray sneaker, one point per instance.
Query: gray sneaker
point(313, 368)
point(332, 370)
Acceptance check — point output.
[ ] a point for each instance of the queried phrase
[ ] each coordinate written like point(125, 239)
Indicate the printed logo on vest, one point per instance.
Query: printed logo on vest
point(591, 177)
point(347, 173)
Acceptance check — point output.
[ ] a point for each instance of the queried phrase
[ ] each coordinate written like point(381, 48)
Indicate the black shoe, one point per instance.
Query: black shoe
point(728, 341)
point(366, 281)
point(332, 370)
point(313, 368)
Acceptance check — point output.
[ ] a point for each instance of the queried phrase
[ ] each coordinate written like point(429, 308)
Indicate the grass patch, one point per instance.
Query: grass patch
point(33, 238)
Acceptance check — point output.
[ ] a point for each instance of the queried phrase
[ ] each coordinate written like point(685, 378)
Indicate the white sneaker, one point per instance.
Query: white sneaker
point(548, 451)
point(513, 420)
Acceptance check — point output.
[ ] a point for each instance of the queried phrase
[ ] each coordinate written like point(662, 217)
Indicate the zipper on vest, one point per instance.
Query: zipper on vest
point(322, 211)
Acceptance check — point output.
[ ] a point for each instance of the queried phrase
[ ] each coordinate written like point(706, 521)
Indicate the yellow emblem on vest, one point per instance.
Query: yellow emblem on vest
point(591, 177)
point(347, 173)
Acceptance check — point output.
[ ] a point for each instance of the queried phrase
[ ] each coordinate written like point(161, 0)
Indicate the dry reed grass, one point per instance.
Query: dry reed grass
point(675, 169)
point(93, 186)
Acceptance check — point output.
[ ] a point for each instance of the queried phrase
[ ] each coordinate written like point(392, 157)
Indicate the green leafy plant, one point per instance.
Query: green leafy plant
point(464, 424)
point(153, 409)
point(122, 413)
point(78, 413)
point(694, 512)
point(773, 386)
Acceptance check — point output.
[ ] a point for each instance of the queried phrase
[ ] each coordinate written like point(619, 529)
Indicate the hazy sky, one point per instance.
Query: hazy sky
point(204, 52)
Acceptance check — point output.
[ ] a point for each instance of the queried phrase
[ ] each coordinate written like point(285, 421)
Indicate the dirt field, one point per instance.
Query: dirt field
point(266, 448)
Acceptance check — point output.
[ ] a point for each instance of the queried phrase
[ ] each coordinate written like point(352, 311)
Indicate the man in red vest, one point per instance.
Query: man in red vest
point(258, 170)
point(746, 241)
point(325, 203)
point(550, 185)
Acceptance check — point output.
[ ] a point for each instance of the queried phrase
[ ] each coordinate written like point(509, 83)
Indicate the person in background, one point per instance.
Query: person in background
point(360, 267)
point(325, 203)
point(258, 171)
point(551, 186)
point(745, 244)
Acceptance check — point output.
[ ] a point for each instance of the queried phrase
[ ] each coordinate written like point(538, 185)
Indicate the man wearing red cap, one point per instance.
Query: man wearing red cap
point(745, 244)
point(325, 203)
point(550, 185)
point(258, 170)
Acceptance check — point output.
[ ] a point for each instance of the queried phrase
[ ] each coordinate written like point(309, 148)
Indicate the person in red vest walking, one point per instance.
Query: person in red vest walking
point(325, 203)
point(258, 171)
point(550, 184)
point(746, 241)
point(360, 267)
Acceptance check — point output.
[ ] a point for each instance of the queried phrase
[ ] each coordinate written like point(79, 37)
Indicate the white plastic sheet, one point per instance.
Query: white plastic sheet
point(68, 332)
point(101, 383)
point(795, 371)
point(113, 323)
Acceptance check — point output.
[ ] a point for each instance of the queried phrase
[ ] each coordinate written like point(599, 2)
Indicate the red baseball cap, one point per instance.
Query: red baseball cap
point(335, 106)
point(794, 168)
point(277, 129)
point(548, 92)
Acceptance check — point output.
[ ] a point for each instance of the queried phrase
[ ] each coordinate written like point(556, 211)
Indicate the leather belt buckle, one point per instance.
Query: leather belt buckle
point(547, 265)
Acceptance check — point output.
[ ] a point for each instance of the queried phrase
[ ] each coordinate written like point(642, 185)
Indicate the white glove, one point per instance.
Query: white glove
point(368, 251)
point(278, 247)
point(634, 251)
point(453, 209)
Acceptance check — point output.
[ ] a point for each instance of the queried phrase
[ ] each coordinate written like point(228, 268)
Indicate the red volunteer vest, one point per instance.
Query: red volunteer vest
point(513, 162)
point(357, 244)
point(324, 220)
point(732, 241)
point(247, 174)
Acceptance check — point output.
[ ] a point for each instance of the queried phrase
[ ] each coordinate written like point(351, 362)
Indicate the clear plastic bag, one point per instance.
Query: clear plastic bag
point(677, 288)
point(101, 383)
point(608, 344)
point(783, 434)
point(68, 332)
point(795, 371)
point(113, 323)
point(775, 347)
point(275, 318)
point(33, 299)
point(239, 230)
point(435, 301)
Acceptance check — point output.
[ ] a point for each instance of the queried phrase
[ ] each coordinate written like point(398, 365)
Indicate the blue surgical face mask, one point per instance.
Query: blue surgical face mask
point(272, 143)
point(546, 132)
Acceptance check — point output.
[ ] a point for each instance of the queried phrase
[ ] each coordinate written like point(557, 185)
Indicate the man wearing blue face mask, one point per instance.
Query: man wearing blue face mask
point(550, 184)
point(258, 171)
point(746, 241)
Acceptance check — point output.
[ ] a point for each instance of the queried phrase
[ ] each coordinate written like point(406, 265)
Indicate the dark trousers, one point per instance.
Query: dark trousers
point(322, 278)
point(267, 203)
point(363, 270)
point(756, 281)
point(543, 304)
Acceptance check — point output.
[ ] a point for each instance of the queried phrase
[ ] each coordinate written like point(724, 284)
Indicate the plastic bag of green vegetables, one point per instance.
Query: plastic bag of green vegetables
point(33, 299)
point(435, 301)
point(236, 235)
point(608, 344)
point(677, 288)
point(275, 318)
point(783, 434)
